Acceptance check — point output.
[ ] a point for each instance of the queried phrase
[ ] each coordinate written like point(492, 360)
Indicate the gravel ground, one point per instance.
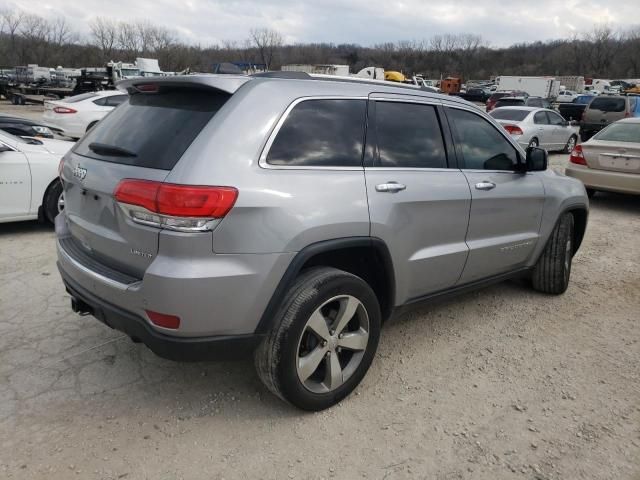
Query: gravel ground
point(502, 383)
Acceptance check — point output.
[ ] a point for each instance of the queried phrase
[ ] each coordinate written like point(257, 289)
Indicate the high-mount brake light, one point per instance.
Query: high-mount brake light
point(147, 87)
point(172, 206)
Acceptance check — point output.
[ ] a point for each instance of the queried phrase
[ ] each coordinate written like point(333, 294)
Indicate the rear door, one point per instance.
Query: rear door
point(543, 130)
point(142, 139)
point(506, 206)
point(561, 130)
point(417, 205)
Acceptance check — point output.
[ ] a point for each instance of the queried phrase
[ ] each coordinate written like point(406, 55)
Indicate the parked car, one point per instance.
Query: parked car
point(23, 127)
point(474, 95)
point(491, 101)
point(226, 240)
point(537, 127)
point(74, 116)
point(575, 110)
point(29, 183)
point(610, 160)
point(566, 96)
point(518, 101)
point(604, 110)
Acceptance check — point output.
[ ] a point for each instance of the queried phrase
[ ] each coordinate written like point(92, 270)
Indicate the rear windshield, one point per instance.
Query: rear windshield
point(608, 104)
point(584, 99)
point(507, 102)
point(620, 132)
point(79, 98)
point(512, 115)
point(152, 130)
point(496, 96)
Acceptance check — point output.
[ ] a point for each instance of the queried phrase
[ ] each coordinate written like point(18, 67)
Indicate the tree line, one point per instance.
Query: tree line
point(602, 52)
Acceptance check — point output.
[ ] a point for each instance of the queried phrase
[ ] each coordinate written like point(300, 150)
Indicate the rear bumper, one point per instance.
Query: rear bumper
point(166, 346)
point(605, 180)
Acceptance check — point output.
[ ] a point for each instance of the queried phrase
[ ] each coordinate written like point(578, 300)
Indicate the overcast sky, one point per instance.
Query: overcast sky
point(367, 22)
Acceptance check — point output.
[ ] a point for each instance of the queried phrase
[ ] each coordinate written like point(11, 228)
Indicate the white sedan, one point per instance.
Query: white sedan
point(29, 183)
point(566, 96)
point(73, 116)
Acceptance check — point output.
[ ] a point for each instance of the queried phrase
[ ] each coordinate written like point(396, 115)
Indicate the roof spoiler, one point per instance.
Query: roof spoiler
point(226, 83)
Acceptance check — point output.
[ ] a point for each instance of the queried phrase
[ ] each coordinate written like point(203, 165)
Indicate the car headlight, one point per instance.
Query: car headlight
point(42, 130)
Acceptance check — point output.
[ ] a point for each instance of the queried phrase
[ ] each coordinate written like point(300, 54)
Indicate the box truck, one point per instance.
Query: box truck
point(545, 87)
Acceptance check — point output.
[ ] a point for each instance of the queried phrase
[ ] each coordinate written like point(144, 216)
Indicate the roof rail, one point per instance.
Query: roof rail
point(291, 75)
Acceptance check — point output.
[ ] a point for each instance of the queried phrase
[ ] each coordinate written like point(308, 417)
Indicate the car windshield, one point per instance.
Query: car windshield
point(508, 114)
point(80, 98)
point(620, 132)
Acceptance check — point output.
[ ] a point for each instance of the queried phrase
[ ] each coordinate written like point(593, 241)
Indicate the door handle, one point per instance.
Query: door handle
point(390, 187)
point(485, 185)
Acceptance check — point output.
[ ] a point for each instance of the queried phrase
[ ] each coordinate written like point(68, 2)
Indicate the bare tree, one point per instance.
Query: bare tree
point(60, 32)
point(104, 32)
point(12, 20)
point(267, 41)
point(603, 45)
point(128, 39)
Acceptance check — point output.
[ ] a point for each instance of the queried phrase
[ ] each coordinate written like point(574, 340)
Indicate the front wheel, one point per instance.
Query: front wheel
point(551, 273)
point(324, 339)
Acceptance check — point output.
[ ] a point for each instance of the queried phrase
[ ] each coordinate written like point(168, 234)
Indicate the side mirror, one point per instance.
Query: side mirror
point(537, 159)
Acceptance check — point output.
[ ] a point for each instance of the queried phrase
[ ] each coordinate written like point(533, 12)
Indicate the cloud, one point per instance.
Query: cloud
point(367, 22)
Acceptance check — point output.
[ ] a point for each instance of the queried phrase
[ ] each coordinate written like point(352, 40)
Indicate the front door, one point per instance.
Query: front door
point(417, 205)
point(15, 183)
point(506, 205)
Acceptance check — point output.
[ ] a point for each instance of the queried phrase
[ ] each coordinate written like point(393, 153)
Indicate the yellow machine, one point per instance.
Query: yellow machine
point(392, 76)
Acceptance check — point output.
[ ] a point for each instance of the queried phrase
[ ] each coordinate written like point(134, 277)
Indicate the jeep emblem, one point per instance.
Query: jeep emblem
point(79, 172)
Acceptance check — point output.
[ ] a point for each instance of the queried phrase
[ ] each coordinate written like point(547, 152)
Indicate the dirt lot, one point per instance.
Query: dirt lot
point(501, 383)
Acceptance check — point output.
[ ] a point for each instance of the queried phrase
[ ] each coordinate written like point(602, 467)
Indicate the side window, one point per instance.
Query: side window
point(555, 119)
point(101, 101)
point(632, 104)
point(409, 136)
point(482, 146)
point(321, 133)
point(540, 118)
point(115, 100)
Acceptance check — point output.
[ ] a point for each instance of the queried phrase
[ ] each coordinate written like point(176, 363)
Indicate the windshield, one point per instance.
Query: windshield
point(512, 115)
point(620, 132)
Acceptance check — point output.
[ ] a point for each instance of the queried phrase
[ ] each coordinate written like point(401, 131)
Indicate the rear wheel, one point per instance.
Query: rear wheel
point(53, 202)
point(324, 340)
point(571, 143)
point(551, 273)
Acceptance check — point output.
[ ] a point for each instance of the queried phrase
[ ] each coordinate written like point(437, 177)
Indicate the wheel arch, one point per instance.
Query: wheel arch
point(366, 257)
point(580, 215)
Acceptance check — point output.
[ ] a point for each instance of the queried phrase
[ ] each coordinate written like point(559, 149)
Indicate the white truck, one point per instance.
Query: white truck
point(340, 70)
point(545, 87)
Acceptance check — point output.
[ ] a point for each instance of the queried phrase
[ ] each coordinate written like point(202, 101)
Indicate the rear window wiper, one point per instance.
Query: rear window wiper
point(104, 149)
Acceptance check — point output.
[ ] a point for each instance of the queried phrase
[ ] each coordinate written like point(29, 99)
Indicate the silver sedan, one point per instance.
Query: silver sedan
point(537, 127)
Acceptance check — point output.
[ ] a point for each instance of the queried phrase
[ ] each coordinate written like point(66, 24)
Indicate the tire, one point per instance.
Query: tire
point(534, 142)
point(51, 202)
point(573, 140)
point(591, 192)
point(279, 358)
point(553, 269)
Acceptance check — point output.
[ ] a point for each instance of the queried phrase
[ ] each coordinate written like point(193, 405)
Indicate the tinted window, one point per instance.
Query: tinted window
point(620, 132)
point(632, 103)
point(540, 118)
point(608, 104)
point(101, 101)
point(155, 128)
point(409, 136)
point(324, 133)
point(115, 100)
point(509, 102)
point(584, 99)
point(555, 119)
point(535, 102)
point(481, 145)
point(510, 114)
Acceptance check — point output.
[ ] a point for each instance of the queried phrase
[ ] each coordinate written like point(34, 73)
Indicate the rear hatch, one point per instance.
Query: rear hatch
point(612, 156)
point(143, 138)
point(605, 110)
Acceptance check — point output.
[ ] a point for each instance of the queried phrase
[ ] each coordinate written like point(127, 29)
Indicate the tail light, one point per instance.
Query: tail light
point(577, 156)
point(513, 129)
point(188, 208)
point(64, 110)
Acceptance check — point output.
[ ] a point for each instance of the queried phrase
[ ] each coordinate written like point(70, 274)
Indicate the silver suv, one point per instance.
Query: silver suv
point(290, 216)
